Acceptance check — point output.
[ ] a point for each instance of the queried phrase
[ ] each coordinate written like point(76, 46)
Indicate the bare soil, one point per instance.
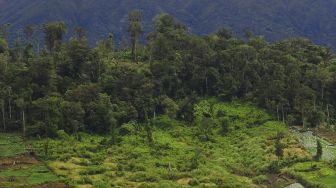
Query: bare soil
point(17, 162)
point(327, 134)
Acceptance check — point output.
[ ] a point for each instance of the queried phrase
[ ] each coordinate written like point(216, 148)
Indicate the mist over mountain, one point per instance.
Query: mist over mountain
point(275, 19)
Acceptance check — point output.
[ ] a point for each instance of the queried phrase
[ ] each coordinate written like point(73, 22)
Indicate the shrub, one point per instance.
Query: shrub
point(260, 179)
point(85, 180)
point(274, 168)
point(100, 184)
point(143, 177)
point(62, 135)
point(332, 164)
point(93, 170)
point(193, 182)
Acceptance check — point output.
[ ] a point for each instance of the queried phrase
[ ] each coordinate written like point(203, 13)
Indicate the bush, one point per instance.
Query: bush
point(100, 184)
point(332, 164)
point(193, 182)
point(62, 135)
point(85, 180)
point(134, 167)
point(127, 129)
point(274, 168)
point(93, 170)
point(260, 179)
point(143, 177)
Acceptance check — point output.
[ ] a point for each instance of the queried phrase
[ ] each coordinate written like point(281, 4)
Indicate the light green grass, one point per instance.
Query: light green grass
point(34, 175)
point(314, 173)
point(230, 160)
point(11, 145)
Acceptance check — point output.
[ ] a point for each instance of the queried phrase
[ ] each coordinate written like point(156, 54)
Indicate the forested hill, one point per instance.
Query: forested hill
point(274, 19)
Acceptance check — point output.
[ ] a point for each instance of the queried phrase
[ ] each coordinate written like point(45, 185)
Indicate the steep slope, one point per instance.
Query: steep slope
point(276, 19)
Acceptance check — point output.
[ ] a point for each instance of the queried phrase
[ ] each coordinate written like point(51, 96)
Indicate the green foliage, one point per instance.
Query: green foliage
point(261, 179)
point(3, 45)
point(319, 176)
point(147, 113)
point(176, 158)
point(279, 146)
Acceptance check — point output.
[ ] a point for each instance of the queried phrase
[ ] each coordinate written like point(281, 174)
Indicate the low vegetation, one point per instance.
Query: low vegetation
point(18, 169)
point(242, 157)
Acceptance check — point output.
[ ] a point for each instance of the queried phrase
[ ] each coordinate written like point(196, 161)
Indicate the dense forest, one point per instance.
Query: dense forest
point(73, 87)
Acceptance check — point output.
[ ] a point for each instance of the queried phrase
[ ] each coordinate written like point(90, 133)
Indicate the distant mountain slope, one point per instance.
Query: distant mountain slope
point(276, 19)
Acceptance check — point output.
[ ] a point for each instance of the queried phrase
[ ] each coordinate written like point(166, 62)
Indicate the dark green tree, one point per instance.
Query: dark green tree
point(135, 30)
point(319, 151)
point(53, 34)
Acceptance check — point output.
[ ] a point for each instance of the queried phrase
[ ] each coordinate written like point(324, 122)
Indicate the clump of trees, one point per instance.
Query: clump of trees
point(69, 85)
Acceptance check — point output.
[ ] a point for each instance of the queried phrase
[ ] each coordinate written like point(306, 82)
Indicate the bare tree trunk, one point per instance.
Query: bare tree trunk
point(9, 103)
point(283, 114)
point(303, 120)
point(278, 113)
point(328, 114)
point(23, 123)
point(3, 116)
point(206, 85)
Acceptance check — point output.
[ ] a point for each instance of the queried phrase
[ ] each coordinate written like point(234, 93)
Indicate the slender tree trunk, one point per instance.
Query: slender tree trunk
point(3, 116)
point(9, 104)
point(328, 114)
point(135, 52)
point(206, 85)
point(149, 134)
point(23, 123)
point(283, 114)
point(303, 120)
point(278, 113)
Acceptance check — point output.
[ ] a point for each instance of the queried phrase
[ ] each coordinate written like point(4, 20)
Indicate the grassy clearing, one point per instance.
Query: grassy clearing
point(178, 157)
point(20, 171)
point(314, 173)
point(29, 176)
point(11, 145)
point(308, 141)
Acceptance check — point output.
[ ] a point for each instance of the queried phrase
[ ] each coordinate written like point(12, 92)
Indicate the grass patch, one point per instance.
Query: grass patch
point(314, 173)
point(11, 145)
point(178, 157)
point(35, 175)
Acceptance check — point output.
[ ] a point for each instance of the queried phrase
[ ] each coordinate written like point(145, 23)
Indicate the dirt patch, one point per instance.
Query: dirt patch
point(279, 180)
point(14, 180)
point(183, 181)
point(52, 185)
point(17, 162)
point(327, 134)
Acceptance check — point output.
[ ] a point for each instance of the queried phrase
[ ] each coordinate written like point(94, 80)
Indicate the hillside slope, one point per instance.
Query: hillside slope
point(276, 19)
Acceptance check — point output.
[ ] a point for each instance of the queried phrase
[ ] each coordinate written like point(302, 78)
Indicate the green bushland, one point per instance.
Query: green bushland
point(179, 156)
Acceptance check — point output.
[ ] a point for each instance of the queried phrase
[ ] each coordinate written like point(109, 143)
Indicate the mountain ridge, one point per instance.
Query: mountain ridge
point(275, 19)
